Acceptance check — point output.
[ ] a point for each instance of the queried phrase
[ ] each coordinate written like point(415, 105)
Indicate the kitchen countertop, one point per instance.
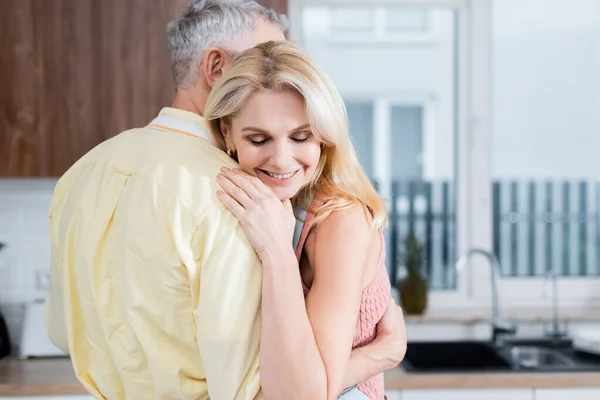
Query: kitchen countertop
point(475, 315)
point(55, 376)
point(41, 377)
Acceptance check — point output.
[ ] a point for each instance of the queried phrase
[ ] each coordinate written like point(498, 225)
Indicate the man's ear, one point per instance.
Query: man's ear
point(213, 63)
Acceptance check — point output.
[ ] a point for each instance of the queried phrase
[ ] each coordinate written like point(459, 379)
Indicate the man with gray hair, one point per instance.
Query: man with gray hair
point(207, 36)
point(155, 290)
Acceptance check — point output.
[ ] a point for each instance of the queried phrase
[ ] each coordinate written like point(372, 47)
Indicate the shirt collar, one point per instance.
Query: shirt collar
point(181, 121)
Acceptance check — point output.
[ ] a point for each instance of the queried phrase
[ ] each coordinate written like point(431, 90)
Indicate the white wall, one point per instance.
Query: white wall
point(24, 207)
point(546, 89)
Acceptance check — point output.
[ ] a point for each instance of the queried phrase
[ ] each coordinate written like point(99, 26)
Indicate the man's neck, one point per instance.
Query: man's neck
point(184, 101)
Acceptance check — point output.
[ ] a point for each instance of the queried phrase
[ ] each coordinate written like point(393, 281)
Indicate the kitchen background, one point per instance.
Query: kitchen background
point(478, 121)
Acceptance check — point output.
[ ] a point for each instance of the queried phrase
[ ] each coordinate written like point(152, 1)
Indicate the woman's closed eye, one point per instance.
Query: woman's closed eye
point(258, 140)
point(298, 137)
point(301, 137)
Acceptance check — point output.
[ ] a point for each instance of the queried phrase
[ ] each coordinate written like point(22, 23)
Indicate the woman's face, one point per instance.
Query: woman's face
point(274, 142)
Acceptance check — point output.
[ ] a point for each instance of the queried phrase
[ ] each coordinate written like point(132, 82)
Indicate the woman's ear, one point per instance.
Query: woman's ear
point(226, 132)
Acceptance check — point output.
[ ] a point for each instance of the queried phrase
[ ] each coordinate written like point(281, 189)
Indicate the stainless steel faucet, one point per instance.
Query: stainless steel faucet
point(555, 330)
point(499, 326)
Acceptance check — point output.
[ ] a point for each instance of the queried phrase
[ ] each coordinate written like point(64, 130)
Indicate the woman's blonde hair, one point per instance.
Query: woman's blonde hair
point(338, 180)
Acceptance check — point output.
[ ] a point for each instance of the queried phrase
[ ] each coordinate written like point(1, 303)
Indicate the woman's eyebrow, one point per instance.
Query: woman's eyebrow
point(259, 130)
point(254, 129)
point(301, 128)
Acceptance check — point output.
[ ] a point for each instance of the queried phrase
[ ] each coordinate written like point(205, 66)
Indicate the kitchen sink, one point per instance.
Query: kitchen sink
point(516, 355)
point(455, 356)
point(538, 357)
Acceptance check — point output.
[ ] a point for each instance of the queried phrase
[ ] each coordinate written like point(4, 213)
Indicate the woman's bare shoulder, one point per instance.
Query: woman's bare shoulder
point(346, 238)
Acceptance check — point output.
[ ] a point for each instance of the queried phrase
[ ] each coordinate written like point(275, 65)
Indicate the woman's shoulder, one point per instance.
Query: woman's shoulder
point(347, 227)
point(343, 242)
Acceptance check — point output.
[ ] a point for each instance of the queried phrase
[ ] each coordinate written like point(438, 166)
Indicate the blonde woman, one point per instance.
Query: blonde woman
point(285, 123)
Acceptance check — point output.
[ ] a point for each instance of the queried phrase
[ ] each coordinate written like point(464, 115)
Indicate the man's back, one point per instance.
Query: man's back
point(155, 291)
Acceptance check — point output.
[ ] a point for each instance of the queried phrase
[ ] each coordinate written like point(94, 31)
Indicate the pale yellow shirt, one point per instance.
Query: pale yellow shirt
point(155, 290)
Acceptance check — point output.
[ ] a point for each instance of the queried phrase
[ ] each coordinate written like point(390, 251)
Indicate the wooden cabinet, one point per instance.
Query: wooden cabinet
point(468, 394)
point(393, 394)
point(562, 394)
point(75, 72)
point(496, 394)
point(281, 6)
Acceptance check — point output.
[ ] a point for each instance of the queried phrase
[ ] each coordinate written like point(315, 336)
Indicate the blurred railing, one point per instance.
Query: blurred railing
point(537, 226)
point(426, 210)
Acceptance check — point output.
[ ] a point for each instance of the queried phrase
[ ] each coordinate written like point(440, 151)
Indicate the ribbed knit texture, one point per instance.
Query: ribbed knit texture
point(374, 301)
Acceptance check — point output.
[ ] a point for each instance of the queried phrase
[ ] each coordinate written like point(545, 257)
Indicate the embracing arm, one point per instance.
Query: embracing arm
point(383, 353)
point(342, 245)
point(289, 363)
point(339, 253)
point(297, 359)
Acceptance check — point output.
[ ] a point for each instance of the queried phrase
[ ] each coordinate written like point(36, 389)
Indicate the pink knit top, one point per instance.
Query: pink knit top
point(375, 298)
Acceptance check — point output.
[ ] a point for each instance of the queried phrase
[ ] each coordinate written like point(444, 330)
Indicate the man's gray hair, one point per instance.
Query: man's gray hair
point(211, 23)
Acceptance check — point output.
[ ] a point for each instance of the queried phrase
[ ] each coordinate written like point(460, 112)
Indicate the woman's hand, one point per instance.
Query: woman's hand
point(267, 221)
point(391, 334)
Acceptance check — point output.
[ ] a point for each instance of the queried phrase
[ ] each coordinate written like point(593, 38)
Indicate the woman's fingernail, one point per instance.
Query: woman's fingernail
point(220, 176)
point(219, 192)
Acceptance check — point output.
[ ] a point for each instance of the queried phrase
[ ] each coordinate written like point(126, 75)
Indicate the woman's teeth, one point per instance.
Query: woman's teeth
point(280, 176)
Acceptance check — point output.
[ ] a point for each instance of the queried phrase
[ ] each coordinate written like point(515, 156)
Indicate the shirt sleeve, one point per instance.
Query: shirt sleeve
point(54, 315)
point(227, 311)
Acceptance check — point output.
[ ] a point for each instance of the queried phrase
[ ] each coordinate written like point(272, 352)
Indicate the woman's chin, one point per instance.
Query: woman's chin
point(284, 194)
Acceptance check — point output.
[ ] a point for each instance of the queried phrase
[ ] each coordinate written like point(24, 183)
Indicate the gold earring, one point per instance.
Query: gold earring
point(229, 152)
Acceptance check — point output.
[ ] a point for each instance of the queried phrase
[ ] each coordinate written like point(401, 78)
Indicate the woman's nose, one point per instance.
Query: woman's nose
point(281, 156)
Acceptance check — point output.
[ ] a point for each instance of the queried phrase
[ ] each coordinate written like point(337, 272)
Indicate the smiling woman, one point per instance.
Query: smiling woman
point(282, 152)
point(285, 123)
point(274, 101)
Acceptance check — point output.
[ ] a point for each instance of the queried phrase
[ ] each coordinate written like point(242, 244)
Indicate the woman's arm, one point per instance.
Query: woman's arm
point(281, 333)
point(292, 365)
point(338, 252)
point(383, 353)
point(290, 361)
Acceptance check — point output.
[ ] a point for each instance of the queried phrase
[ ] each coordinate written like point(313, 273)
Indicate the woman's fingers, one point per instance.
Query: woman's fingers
point(234, 191)
point(231, 204)
point(258, 184)
point(242, 181)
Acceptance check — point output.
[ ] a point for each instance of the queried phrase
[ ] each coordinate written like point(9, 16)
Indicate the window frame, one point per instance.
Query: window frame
point(381, 34)
point(473, 178)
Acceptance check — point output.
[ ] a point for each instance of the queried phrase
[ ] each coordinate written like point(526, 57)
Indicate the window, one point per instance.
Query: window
point(401, 20)
point(360, 121)
point(401, 105)
point(508, 106)
point(374, 25)
point(344, 20)
point(544, 159)
point(541, 170)
point(407, 142)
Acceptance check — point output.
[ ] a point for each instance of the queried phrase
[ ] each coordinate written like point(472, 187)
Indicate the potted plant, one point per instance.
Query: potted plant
point(413, 287)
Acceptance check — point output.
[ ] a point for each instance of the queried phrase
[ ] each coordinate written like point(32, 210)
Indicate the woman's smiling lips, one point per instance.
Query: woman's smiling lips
point(279, 179)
